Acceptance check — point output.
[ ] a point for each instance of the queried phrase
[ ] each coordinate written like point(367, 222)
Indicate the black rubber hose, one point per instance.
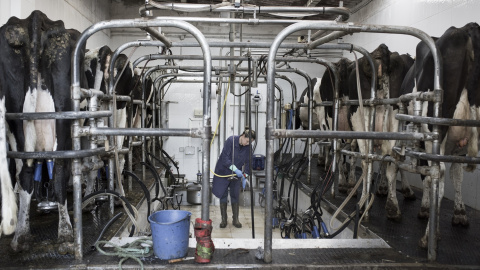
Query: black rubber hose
point(110, 222)
point(173, 162)
point(156, 176)
point(175, 181)
point(91, 196)
point(144, 188)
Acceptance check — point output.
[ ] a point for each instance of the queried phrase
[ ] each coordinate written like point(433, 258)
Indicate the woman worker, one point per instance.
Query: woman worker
point(234, 156)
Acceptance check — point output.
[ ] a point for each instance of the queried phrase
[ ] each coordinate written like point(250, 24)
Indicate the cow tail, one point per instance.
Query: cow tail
point(9, 202)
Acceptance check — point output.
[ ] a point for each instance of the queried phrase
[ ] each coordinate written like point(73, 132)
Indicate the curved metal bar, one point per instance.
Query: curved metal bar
point(351, 27)
point(137, 23)
point(154, 33)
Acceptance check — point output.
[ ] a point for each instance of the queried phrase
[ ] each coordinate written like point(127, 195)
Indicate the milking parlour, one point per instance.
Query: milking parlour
point(247, 134)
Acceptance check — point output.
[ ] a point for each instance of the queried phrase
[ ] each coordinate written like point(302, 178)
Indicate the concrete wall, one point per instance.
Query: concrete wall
point(77, 14)
point(433, 17)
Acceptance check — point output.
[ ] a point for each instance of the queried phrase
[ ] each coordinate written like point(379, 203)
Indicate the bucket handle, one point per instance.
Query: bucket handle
point(169, 223)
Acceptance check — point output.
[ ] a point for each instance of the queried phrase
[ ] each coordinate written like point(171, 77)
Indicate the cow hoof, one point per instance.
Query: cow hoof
point(66, 248)
point(21, 243)
point(382, 192)
point(409, 195)
point(64, 239)
point(460, 220)
point(342, 189)
point(395, 216)
point(393, 213)
point(423, 213)
point(423, 242)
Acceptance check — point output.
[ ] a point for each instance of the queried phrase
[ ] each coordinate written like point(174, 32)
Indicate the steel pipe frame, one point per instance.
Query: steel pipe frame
point(437, 121)
point(433, 222)
point(344, 46)
point(194, 133)
point(294, 107)
point(114, 57)
point(337, 104)
point(342, 11)
point(286, 133)
point(424, 170)
point(319, 61)
point(373, 94)
point(310, 108)
point(57, 115)
point(154, 33)
point(76, 170)
point(439, 158)
point(56, 154)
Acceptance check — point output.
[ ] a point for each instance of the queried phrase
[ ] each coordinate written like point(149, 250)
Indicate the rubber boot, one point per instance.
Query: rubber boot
point(235, 210)
point(223, 211)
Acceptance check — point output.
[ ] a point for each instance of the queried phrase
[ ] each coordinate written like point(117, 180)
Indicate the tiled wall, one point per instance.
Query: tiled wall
point(432, 17)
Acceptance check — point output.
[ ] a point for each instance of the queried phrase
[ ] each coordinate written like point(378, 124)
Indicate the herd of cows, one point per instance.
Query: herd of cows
point(35, 76)
point(398, 75)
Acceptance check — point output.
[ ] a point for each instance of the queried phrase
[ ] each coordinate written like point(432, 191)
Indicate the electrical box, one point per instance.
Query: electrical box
point(189, 150)
point(198, 113)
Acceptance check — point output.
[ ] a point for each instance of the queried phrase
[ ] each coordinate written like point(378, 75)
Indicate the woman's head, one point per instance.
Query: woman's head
point(247, 137)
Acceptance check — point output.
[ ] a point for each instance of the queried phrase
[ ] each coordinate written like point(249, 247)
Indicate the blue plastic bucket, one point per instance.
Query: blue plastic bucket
point(170, 230)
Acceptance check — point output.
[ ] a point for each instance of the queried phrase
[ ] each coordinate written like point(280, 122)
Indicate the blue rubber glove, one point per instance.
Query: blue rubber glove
point(236, 171)
point(244, 182)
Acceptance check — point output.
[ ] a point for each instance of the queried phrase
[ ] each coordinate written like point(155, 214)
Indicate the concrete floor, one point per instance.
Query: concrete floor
point(230, 231)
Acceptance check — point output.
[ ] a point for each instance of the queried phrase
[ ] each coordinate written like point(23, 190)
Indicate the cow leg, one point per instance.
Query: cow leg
point(382, 189)
point(9, 202)
point(352, 176)
point(22, 238)
point(322, 158)
point(459, 213)
point(425, 205)
point(65, 231)
point(423, 242)
point(60, 180)
point(121, 122)
point(407, 191)
point(342, 182)
point(393, 211)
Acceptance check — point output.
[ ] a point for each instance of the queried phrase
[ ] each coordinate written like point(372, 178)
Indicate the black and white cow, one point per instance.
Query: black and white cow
point(325, 113)
point(391, 69)
point(35, 70)
point(97, 67)
point(460, 48)
point(323, 90)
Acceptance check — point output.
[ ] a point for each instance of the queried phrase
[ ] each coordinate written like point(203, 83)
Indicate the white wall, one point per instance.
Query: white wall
point(433, 17)
point(77, 14)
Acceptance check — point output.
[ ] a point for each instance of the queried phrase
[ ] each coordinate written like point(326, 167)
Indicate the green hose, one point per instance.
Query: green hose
point(142, 247)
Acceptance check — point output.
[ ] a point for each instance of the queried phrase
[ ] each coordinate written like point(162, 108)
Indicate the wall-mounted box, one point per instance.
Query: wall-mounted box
point(189, 150)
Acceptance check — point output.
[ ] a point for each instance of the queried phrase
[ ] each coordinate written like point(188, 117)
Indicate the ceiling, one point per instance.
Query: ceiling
point(350, 4)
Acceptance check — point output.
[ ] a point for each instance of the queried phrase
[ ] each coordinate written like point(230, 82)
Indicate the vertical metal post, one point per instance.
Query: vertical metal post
point(77, 177)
